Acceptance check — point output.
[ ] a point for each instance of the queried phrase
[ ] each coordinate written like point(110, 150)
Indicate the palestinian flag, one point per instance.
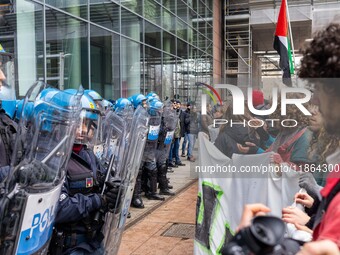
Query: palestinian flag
point(282, 42)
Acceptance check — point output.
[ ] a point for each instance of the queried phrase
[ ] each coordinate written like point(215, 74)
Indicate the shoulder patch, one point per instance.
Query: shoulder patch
point(62, 197)
point(89, 182)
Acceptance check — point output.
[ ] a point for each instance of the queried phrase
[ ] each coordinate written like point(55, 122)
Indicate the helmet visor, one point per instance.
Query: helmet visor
point(87, 131)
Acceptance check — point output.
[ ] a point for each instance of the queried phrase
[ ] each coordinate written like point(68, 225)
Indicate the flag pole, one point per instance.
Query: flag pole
point(291, 35)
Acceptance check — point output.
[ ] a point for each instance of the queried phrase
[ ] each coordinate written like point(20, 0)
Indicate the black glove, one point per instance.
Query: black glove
point(35, 172)
point(112, 196)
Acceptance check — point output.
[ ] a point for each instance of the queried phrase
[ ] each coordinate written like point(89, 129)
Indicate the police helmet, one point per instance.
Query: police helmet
point(155, 107)
point(49, 105)
point(153, 94)
point(97, 98)
point(138, 99)
point(90, 121)
point(122, 104)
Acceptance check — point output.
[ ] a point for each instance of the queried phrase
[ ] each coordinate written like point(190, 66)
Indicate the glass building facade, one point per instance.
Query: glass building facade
point(117, 48)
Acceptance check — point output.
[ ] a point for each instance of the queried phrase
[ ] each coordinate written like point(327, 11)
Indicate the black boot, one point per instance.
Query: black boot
point(163, 181)
point(169, 185)
point(152, 195)
point(137, 201)
point(166, 192)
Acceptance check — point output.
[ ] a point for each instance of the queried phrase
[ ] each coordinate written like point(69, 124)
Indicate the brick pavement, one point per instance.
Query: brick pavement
point(145, 236)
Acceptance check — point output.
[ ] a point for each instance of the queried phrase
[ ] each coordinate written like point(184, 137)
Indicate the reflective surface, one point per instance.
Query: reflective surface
point(115, 47)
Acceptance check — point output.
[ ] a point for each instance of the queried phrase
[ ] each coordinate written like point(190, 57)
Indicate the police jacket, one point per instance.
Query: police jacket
point(80, 198)
point(80, 194)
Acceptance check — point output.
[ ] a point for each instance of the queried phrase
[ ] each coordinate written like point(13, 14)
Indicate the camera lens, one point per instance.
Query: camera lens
point(268, 230)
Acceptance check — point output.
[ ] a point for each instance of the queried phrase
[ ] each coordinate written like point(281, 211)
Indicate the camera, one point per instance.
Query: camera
point(264, 236)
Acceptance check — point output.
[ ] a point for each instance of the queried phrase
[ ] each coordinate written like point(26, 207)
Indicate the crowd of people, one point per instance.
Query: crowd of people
point(311, 147)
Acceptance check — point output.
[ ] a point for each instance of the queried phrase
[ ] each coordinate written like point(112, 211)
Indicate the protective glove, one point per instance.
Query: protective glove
point(112, 196)
point(307, 181)
point(35, 172)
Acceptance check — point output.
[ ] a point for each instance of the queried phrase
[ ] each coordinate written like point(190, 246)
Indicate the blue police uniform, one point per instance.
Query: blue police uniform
point(79, 201)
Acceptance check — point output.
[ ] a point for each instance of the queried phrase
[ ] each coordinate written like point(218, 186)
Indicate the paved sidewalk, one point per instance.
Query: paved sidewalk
point(151, 235)
point(180, 179)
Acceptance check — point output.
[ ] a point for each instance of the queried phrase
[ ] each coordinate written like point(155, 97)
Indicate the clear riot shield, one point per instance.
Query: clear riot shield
point(166, 134)
point(31, 193)
point(114, 151)
point(149, 154)
point(135, 141)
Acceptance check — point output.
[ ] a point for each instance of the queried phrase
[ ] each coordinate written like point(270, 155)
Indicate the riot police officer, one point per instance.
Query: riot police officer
point(123, 107)
point(46, 131)
point(138, 100)
point(149, 165)
point(166, 134)
point(78, 229)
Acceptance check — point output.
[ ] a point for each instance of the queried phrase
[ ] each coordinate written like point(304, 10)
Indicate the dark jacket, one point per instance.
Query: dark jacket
point(80, 199)
point(226, 144)
point(181, 119)
point(191, 122)
point(229, 137)
point(206, 120)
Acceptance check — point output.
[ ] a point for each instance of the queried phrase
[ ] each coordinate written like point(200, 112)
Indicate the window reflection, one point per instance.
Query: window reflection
point(133, 5)
point(182, 10)
point(181, 30)
point(170, 5)
point(66, 46)
point(169, 21)
point(168, 77)
point(153, 72)
point(176, 47)
point(105, 56)
point(169, 43)
point(131, 25)
point(182, 50)
point(130, 67)
point(105, 13)
point(75, 7)
point(27, 66)
point(152, 35)
point(152, 11)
